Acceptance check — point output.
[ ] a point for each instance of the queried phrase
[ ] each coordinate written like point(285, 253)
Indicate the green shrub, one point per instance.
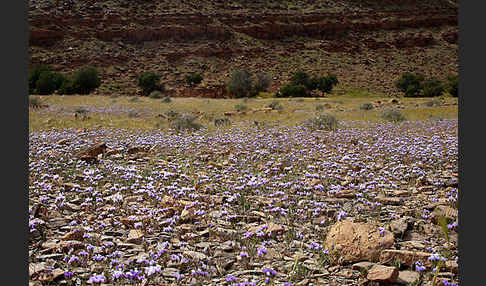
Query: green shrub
point(433, 102)
point(410, 84)
point(275, 105)
point(240, 84)
point(167, 99)
point(432, 88)
point(241, 107)
point(86, 79)
point(452, 85)
point(221, 121)
point(322, 122)
point(34, 101)
point(148, 82)
point(156, 94)
point(300, 78)
point(291, 90)
point(393, 115)
point(67, 86)
point(185, 122)
point(193, 79)
point(34, 74)
point(48, 82)
point(262, 82)
point(320, 107)
point(366, 106)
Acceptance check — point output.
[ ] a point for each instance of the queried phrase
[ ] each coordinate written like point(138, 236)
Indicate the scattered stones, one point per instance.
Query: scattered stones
point(135, 236)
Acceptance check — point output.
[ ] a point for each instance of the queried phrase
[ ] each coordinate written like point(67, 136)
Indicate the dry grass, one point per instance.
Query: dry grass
point(118, 112)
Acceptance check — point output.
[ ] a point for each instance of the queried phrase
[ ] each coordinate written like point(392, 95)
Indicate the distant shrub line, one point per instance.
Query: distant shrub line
point(43, 80)
point(301, 84)
point(417, 85)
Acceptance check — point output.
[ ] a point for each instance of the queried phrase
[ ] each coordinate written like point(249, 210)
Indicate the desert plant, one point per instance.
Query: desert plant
point(35, 71)
point(193, 79)
point(393, 115)
point(432, 87)
point(275, 105)
point(366, 106)
point(322, 122)
point(320, 107)
point(185, 122)
point(167, 99)
point(240, 83)
point(291, 90)
point(35, 101)
point(48, 82)
point(86, 79)
point(221, 121)
point(81, 110)
point(148, 82)
point(300, 78)
point(433, 102)
point(171, 114)
point(241, 107)
point(156, 94)
point(326, 84)
point(410, 84)
point(452, 85)
point(67, 86)
point(262, 82)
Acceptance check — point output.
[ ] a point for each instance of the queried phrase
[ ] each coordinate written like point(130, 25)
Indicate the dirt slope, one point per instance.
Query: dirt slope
point(368, 44)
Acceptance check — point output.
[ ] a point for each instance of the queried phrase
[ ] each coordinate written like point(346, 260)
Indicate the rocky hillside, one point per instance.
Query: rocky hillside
point(368, 44)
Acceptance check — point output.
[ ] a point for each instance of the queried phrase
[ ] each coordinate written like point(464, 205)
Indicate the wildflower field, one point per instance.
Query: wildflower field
point(262, 199)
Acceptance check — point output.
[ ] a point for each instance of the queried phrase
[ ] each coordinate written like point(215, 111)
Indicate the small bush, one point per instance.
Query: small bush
point(322, 122)
point(410, 84)
point(241, 107)
point(432, 87)
point(86, 79)
point(221, 121)
point(319, 107)
point(81, 110)
point(366, 106)
point(35, 101)
point(133, 114)
point(185, 122)
point(49, 82)
point(148, 82)
point(275, 105)
point(262, 82)
point(34, 74)
point(393, 115)
point(291, 90)
point(452, 85)
point(240, 84)
point(433, 102)
point(171, 114)
point(156, 94)
point(193, 79)
point(300, 78)
point(67, 86)
point(167, 99)
point(326, 84)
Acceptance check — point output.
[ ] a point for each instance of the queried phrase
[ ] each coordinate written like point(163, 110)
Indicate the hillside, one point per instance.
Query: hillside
point(367, 44)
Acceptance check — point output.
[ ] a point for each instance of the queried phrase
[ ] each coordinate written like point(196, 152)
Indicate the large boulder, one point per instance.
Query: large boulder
point(357, 241)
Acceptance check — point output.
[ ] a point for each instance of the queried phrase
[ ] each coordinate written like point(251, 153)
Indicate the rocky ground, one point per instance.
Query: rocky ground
point(365, 205)
point(367, 44)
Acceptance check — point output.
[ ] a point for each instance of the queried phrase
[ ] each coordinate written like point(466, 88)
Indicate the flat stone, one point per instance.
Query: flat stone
point(407, 277)
point(135, 236)
point(405, 257)
point(363, 265)
point(383, 274)
point(399, 226)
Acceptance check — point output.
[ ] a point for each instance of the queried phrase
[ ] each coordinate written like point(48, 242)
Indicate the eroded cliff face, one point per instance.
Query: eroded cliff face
point(368, 45)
